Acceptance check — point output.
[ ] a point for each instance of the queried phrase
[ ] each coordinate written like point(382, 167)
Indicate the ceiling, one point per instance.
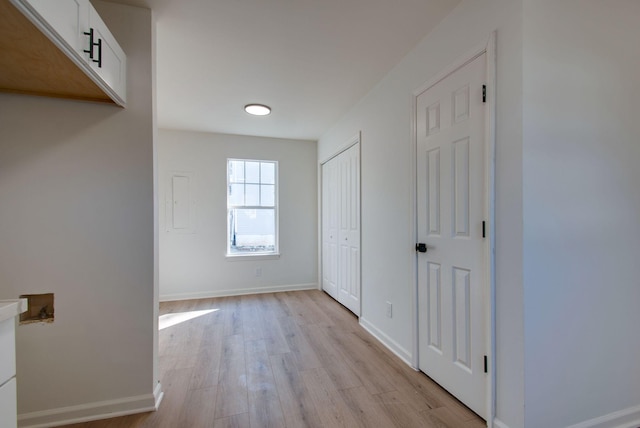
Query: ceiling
point(310, 60)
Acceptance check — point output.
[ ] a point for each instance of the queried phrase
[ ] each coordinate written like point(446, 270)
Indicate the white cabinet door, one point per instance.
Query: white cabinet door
point(67, 18)
point(109, 61)
point(8, 405)
point(7, 351)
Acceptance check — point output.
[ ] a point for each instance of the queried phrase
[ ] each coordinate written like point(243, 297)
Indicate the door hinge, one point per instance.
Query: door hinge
point(484, 229)
point(484, 93)
point(486, 364)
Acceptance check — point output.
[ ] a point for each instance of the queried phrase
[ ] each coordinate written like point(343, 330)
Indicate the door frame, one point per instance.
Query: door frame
point(488, 48)
point(356, 139)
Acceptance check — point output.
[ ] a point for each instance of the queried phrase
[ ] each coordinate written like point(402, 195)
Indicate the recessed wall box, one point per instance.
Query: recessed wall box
point(39, 308)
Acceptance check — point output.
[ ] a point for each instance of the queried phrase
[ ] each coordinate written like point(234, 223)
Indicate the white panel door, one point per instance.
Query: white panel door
point(330, 198)
point(451, 197)
point(349, 229)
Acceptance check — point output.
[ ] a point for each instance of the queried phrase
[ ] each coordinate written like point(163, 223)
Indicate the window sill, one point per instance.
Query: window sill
point(246, 257)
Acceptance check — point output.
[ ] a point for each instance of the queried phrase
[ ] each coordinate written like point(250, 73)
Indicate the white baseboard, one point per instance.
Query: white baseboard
point(497, 423)
point(158, 395)
point(236, 292)
point(391, 344)
point(627, 418)
point(92, 411)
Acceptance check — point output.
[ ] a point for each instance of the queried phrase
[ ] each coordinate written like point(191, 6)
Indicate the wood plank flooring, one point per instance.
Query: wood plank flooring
point(293, 359)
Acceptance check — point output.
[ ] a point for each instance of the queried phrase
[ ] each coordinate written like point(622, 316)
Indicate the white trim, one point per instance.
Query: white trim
point(319, 221)
point(346, 146)
point(626, 418)
point(415, 307)
point(251, 257)
point(92, 411)
point(236, 292)
point(388, 342)
point(490, 180)
point(497, 423)
point(359, 199)
point(158, 395)
point(488, 48)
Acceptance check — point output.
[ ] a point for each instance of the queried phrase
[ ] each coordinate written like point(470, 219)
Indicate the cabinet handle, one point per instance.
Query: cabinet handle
point(91, 45)
point(99, 60)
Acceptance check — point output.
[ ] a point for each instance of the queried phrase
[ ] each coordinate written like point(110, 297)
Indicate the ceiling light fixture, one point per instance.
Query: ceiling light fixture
point(257, 109)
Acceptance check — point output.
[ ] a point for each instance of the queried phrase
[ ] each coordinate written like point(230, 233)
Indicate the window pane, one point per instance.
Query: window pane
point(236, 194)
point(236, 171)
point(267, 195)
point(252, 195)
point(252, 230)
point(268, 173)
point(252, 170)
point(251, 186)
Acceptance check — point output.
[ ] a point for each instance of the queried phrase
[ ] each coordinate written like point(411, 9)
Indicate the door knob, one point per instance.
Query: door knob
point(421, 248)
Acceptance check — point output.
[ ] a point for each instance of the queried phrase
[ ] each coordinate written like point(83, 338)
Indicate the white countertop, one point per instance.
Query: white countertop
point(11, 308)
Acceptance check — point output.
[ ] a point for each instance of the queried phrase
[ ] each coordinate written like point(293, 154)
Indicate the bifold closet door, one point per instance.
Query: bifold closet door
point(341, 214)
point(330, 228)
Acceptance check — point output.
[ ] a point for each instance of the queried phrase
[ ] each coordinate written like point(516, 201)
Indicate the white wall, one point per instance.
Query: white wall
point(384, 117)
point(581, 210)
point(194, 264)
point(76, 219)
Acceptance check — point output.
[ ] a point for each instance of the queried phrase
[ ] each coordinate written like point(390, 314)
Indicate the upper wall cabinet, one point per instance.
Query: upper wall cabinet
point(40, 53)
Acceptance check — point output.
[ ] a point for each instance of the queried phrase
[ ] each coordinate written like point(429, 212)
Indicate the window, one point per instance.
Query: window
point(252, 204)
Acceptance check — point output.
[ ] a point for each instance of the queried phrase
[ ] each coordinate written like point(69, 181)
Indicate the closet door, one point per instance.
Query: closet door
point(349, 229)
point(330, 228)
point(341, 228)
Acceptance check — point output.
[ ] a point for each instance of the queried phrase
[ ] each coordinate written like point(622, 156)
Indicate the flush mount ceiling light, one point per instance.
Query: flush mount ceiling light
point(257, 109)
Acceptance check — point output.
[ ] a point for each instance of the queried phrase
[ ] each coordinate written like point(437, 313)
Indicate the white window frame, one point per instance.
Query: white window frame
point(263, 255)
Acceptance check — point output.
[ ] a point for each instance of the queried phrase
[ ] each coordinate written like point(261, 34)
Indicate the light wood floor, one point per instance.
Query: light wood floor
point(294, 359)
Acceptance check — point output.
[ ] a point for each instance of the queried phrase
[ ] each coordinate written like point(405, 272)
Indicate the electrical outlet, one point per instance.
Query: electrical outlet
point(258, 272)
point(389, 310)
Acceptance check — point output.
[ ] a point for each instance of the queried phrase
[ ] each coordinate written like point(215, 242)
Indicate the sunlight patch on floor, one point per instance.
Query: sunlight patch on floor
point(169, 320)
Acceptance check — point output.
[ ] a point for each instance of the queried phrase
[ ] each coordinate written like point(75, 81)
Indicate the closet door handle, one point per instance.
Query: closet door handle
point(421, 247)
